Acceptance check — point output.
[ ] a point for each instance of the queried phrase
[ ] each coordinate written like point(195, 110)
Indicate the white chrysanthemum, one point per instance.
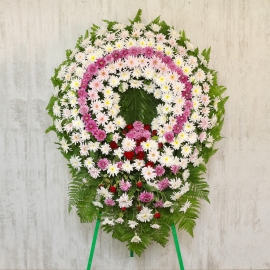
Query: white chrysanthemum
point(105, 149)
point(56, 109)
point(185, 188)
point(149, 73)
point(187, 70)
point(145, 215)
point(168, 51)
point(189, 127)
point(179, 61)
point(155, 226)
point(84, 148)
point(114, 81)
point(127, 167)
point(176, 143)
point(136, 239)
point(136, 83)
point(182, 136)
point(98, 204)
point(167, 98)
point(195, 117)
point(108, 102)
point(132, 224)
point(104, 193)
point(77, 124)
point(128, 144)
point(119, 220)
point(160, 80)
point(200, 75)
point(108, 92)
point(118, 152)
point(192, 138)
point(176, 196)
point(58, 125)
point(68, 127)
point(97, 106)
point(153, 155)
point(186, 150)
point(183, 163)
point(108, 47)
point(80, 57)
point(124, 75)
point(167, 108)
point(185, 207)
point(93, 146)
point(167, 204)
point(138, 164)
point(148, 173)
point(160, 47)
point(175, 183)
point(146, 145)
point(75, 84)
point(89, 163)
point(75, 138)
point(124, 201)
point(120, 121)
point(108, 221)
point(196, 90)
point(185, 175)
point(64, 145)
point(112, 169)
point(75, 162)
point(166, 160)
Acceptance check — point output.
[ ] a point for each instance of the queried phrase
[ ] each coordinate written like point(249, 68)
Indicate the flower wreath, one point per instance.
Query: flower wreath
point(136, 111)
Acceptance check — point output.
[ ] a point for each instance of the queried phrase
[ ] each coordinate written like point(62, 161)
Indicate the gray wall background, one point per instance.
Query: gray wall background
point(36, 232)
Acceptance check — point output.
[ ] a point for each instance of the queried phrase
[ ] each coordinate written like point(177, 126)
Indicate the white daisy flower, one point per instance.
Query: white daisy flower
point(185, 175)
point(155, 226)
point(128, 144)
point(119, 220)
point(186, 150)
point(166, 160)
point(132, 224)
point(136, 239)
point(104, 193)
point(167, 204)
point(93, 146)
point(153, 156)
point(176, 196)
point(185, 207)
point(75, 162)
point(105, 149)
point(98, 204)
point(112, 169)
point(56, 109)
point(118, 152)
point(89, 163)
point(124, 201)
point(148, 173)
point(138, 164)
point(175, 183)
point(108, 221)
point(64, 145)
point(127, 167)
point(145, 215)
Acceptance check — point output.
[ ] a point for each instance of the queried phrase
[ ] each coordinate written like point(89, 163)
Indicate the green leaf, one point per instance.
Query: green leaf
point(138, 105)
point(137, 17)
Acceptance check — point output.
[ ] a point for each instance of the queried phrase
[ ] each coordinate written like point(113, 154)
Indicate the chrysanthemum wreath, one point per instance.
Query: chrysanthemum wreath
point(137, 111)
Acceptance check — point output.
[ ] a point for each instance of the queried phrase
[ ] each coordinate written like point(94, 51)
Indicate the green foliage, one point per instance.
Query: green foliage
point(137, 104)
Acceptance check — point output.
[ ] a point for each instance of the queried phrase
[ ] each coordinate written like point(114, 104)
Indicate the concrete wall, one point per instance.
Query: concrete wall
point(36, 231)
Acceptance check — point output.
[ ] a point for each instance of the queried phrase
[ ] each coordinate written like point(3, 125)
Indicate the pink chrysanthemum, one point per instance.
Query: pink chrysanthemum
point(163, 184)
point(109, 202)
point(125, 186)
point(103, 163)
point(159, 170)
point(146, 197)
point(100, 135)
point(158, 204)
point(169, 136)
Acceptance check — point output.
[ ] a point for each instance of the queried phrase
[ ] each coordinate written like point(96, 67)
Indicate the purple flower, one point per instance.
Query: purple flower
point(91, 126)
point(188, 86)
point(100, 135)
point(146, 197)
point(125, 186)
point(92, 69)
point(101, 63)
point(148, 52)
point(109, 202)
point(138, 125)
point(186, 94)
point(183, 78)
point(177, 128)
point(159, 170)
point(181, 119)
point(158, 204)
point(163, 184)
point(169, 136)
point(82, 93)
point(84, 109)
point(167, 59)
point(82, 101)
point(175, 169)
point(116, 55)
point(103, 163)
point(86, 117)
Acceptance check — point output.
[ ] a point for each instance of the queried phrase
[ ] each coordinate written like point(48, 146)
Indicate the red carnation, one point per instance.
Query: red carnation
point(157, 215)
point(139, 184)
point(140, 155)
point(129, 126)
point(113, 189)
point(123, 208)
point(129, 155)
point(139, 207)
point(149, 163)
point(124, 132)
point(147, 127)
point(113, 145)
point(160, 145)
point(154, 133)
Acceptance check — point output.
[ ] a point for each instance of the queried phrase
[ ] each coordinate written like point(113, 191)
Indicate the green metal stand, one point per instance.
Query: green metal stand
point(176, 242)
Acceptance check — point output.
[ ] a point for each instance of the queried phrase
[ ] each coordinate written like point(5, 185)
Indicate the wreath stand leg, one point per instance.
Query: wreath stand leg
point(176, 242)
point(93, 245)
point(177, 247)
